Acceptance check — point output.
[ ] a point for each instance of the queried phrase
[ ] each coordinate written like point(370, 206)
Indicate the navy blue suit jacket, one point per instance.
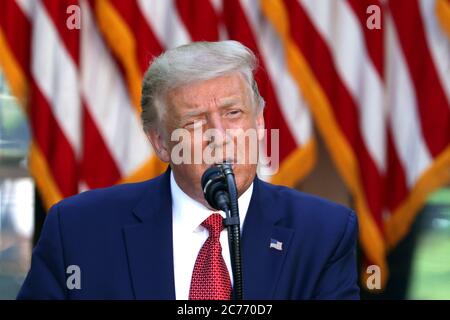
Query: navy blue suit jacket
point(121, 239)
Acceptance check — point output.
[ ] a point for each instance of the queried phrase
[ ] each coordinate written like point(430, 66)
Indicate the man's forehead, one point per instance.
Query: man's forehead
point(222, 89)
point(227, 85)
point(217, 100)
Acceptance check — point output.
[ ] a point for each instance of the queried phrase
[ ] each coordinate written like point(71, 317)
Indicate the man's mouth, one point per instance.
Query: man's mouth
point(229, 161)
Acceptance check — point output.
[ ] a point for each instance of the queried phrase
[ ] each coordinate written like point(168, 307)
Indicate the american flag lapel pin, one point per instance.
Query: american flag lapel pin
point(278, 245)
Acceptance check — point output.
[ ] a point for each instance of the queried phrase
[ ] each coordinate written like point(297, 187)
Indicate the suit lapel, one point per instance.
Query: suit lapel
point(149, 244)
point(261, 264)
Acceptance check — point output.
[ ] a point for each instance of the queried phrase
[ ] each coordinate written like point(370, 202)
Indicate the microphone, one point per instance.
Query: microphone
point(220, 191)
point(215, 189)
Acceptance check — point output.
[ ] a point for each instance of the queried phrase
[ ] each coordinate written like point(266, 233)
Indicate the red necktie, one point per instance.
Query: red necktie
point(210, 279)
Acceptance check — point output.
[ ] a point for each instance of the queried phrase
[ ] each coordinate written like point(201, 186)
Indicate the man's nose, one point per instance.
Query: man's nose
point(218, 134)
point(215, 121)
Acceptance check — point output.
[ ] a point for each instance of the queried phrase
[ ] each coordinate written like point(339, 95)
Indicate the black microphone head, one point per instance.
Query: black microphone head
point(211, 173)
point(214, 187)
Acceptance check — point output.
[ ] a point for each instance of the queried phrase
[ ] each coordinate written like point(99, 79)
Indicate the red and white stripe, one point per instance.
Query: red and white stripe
point(403, 116)
point(340, 28)
point(56, 76)
point(163, 19)
point(418, 86)
point(108, 101)
point(292, 106)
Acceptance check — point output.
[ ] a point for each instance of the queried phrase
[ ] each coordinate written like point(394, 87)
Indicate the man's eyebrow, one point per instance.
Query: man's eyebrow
point(224, 103)
point(193, 113)
point(227, 102)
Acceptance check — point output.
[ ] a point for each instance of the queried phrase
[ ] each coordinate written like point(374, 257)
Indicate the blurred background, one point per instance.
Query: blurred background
point(359, 89)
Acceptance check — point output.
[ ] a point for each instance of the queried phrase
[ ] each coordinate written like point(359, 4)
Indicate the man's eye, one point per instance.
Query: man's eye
point(234, 113)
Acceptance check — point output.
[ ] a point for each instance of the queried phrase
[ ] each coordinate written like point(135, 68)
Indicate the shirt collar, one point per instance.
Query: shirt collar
point(191, 213)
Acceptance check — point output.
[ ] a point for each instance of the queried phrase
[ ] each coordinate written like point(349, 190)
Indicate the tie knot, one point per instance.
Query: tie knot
point(214, 224)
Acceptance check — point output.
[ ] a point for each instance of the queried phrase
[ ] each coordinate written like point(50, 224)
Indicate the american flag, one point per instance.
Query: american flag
point(379, 96)
point(276, 244)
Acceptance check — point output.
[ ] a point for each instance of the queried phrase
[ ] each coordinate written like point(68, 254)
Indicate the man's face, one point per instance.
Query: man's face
point(217, 106)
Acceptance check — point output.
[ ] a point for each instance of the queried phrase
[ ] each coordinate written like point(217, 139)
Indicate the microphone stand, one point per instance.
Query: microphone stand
point(232, 223)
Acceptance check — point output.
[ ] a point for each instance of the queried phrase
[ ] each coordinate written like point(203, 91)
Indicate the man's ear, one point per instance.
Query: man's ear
point(159, 144)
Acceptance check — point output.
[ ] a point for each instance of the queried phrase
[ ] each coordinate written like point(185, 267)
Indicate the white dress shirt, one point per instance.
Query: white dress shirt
point(189, 235)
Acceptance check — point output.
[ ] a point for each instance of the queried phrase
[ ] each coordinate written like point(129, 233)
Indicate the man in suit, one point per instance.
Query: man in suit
point(160, 239)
